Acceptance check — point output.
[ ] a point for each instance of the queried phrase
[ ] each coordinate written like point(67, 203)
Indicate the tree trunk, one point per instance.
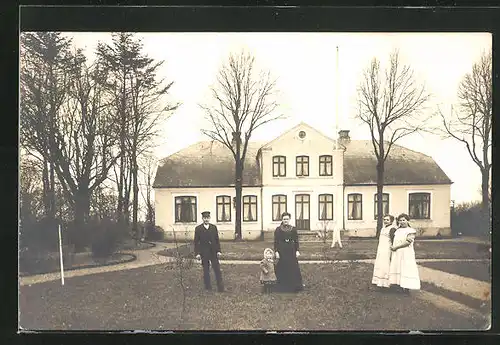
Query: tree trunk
point(46, 188)
point(135, 201)
point(81, 212)
point(239, 190)
point(485, 202)
point(380, 191)
point(52, 195)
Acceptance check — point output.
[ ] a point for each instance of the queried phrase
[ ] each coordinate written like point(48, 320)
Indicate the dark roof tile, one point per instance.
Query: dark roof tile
point(210, 164)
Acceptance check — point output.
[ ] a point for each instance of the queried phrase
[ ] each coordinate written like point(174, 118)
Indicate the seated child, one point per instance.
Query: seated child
point(267, 275)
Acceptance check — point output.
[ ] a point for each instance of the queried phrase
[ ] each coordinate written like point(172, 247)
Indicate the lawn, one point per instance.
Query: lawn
point(475, 270)
point(337, 297)
point(354, 249)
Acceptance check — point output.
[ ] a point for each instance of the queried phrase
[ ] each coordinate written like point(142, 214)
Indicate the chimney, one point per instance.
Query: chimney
point(344, 136)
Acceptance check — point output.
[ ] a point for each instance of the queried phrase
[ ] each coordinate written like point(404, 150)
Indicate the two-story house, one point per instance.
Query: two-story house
point(322, 184)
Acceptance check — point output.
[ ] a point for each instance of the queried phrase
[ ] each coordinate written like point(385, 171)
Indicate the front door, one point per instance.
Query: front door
point(302, 204)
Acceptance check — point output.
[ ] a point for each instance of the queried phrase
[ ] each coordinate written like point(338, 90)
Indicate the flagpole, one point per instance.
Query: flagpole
point(337, 98)
point(336, 230)
point(61, 255)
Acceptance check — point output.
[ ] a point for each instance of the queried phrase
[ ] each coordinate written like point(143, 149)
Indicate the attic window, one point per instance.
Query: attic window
point(302, 134)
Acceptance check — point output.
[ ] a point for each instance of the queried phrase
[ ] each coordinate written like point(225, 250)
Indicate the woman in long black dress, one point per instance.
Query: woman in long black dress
point(286, 247)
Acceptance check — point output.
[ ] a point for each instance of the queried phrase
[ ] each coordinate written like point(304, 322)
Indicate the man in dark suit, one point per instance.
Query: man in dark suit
point(207, 249)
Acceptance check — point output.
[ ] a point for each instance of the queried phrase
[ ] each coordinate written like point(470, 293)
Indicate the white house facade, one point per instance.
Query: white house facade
point(304, 172)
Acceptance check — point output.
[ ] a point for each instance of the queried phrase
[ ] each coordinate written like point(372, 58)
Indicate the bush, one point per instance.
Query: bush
point(466, 219)
point(154, 233)
point(106, 239)
point(39, 236)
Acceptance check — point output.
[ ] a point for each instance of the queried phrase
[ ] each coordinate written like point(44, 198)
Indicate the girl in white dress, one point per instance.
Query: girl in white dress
point(404, 270)
point(383, 259)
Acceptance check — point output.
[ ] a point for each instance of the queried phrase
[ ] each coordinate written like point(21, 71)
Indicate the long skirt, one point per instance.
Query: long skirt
point(288, 271)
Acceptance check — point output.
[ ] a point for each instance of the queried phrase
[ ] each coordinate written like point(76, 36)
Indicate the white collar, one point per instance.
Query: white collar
point(206, 225)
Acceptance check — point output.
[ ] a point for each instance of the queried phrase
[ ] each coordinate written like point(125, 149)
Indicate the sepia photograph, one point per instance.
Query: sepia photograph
point(255, 181)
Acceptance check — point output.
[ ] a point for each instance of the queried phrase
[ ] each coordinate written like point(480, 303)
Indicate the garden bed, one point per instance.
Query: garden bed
point(132, 245)
point(51, 263)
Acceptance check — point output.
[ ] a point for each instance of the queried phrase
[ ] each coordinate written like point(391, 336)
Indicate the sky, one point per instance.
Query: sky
point(305, 66)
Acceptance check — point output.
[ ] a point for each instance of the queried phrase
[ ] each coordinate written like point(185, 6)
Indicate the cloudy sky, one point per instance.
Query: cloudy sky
point(305, 66)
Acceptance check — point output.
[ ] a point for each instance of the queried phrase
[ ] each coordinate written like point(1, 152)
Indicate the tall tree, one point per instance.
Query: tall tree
point(63, 119)
point(118, 58)
point(390, 102)
point(44, 58)
point(140, 98)
point(471, 123)
point(243, 101)
point(85, 137)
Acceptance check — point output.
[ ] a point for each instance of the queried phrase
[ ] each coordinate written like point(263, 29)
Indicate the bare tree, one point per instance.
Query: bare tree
point(243, 101)
point(471, 124)
point(139, 100)
point(44, 82)
point(390, 102)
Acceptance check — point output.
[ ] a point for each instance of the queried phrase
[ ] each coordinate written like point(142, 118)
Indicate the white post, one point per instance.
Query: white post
point(61, 255)
point(337, 77)
point(336, 227)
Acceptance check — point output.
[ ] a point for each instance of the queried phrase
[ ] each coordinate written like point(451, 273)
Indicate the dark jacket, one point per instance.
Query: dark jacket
point(206, 241)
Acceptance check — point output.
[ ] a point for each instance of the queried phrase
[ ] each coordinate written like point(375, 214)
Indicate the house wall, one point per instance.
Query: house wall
point(313, 145)
point(439, 221)
point(206, 201)
point(313, 192)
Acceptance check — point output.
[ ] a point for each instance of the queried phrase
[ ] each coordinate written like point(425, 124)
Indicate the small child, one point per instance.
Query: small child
point(267, 275)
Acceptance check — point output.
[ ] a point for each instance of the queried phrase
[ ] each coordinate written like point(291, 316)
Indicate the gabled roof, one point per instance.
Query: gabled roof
point(301, 124)
point(207, 164)
point(210, 164)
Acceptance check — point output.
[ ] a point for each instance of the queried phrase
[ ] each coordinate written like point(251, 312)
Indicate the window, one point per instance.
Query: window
point(385, 204)
point(302, 168)
point(250, 208)
point(223, 208)
point(279, 206)
point(185, 209)
point(325, 207)
point(325, 165)
point(355, 206)
point(420, 205)
point(279, 166)
point(302, 134)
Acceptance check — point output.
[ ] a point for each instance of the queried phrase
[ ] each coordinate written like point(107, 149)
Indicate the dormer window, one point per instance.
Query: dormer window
point(302, 166)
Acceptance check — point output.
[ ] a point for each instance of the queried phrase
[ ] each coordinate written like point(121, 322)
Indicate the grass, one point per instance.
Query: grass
point(337, 297)
point(351, 250)
point(475, 270)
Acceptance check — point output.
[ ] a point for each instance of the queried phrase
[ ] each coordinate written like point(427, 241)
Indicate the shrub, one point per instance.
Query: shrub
point(39, 236)
point(466, 219)
point(107, 236)
point(154, 233)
